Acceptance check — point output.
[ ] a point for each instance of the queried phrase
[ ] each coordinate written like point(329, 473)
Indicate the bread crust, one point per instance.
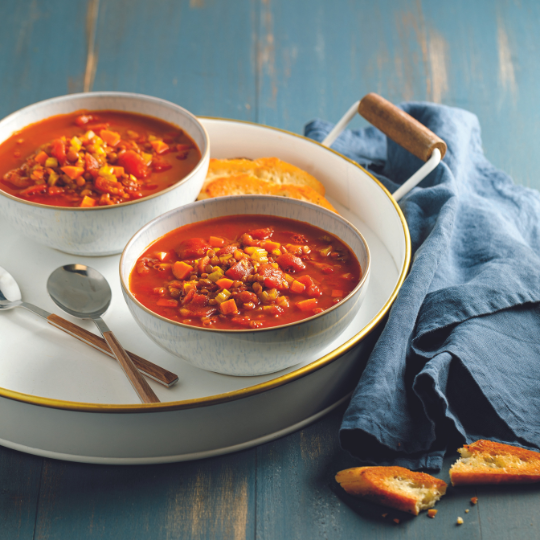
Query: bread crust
point(395, 487)
point(246, 184)
point(271, 170)
point(489, 462)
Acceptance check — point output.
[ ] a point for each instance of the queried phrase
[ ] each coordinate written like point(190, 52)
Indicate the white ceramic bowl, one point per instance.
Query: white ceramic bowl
point(246, 352)
point(101, 230)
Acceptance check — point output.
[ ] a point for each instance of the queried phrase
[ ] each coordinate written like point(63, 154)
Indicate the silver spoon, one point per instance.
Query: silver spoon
point(83, 292)
point(10, 297)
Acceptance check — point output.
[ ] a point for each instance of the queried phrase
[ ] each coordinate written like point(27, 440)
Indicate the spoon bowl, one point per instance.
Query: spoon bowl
point(80, 291)
point(10, 294)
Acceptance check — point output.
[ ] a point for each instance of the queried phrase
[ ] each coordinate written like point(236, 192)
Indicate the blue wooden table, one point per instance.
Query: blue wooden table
point(281, 63)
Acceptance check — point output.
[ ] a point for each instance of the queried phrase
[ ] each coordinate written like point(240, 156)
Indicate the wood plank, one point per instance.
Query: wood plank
point(19, 480)
point(481, 56)
point(508, 512)
point(298, 498)
point(197, 54)
point(202, 499)
point(43, 51)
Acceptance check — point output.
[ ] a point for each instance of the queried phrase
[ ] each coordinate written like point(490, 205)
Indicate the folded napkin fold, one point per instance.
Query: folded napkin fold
point(459, 357)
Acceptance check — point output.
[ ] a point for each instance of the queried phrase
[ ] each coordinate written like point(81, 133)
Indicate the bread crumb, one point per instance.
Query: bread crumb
point(474, 500)
point(384, 515)
point(467, 511)
point(432, 513)
point(460, 521)
point(396, 520)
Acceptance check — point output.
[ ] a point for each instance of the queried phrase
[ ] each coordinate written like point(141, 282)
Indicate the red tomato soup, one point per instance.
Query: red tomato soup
point(95, 158)
point(244, 272)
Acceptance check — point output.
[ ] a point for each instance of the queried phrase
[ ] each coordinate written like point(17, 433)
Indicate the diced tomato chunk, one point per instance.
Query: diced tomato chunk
point(290, 262)
point(32, 190)
point(83, 119)
point(167, 302)
point(261, 234)
point(133, 163)
point(162, 255)
point(313, 291)
point(98, 127)
point(59, 150)
point(215, 241)
point(240, 270)
point(159, 164)
point(306, 280)
point(246, 296)
point(203, 263)
point(90, 162)
point(108, 186)
point(242, 321)
point(273, 277)
point(192, 248)
point(228, 249)
point(199, 300)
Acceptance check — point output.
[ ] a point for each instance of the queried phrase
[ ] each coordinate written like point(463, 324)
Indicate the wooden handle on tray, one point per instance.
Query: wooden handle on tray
point(400, 127)
point(145, 393)
point(157, 373)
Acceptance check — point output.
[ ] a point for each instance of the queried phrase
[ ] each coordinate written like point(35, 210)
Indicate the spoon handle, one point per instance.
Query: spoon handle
point(155, 372)
point(139, 384)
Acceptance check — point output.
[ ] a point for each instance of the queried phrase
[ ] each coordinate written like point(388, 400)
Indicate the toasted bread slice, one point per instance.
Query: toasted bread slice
point(246, 184)
point(395, 487)
point(271, 170)
point(488, 462)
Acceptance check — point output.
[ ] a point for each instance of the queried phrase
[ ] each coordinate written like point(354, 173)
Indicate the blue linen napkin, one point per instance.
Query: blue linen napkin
point(459, 358)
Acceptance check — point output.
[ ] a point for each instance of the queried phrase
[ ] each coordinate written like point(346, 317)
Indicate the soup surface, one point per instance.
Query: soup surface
point(242, 272)
point(95, 158)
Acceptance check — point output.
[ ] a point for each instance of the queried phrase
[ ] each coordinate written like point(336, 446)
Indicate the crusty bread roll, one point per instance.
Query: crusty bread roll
point(488, 462)
point(246, 184)
point(271, 170)
point(395, 487)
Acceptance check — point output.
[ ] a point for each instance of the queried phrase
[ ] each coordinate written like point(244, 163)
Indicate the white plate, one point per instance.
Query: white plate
point(60, 398)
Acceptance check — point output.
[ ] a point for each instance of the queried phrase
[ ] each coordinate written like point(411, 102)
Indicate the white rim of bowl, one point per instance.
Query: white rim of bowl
point(143, 97)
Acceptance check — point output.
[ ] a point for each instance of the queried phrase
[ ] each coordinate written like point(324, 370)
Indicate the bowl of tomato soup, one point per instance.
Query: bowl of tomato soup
point(245, 285)
point(82, 173)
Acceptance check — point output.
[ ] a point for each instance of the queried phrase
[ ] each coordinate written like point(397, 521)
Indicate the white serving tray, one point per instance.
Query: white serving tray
point(59, 398)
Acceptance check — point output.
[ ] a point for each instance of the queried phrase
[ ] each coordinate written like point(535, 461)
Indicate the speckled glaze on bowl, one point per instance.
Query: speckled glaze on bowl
point(246, 352)
point(101, 230)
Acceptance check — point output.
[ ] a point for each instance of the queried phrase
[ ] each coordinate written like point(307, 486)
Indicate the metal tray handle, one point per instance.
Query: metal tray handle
point(402, 129)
